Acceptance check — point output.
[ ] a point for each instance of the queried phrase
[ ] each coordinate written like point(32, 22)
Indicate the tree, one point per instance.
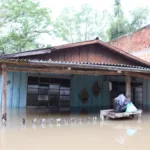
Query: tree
point(22, 23)
point(117, 9)
point(139, 17)
point(120, 25)
point(74, 25)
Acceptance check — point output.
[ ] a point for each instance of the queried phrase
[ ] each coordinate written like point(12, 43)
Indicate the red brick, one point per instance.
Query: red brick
point(139, 40)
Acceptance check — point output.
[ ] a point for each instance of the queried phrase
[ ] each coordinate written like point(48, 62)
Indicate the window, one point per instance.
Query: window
point(54, 91)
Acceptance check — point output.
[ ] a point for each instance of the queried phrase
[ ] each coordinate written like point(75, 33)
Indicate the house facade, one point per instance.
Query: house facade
point(81, 77)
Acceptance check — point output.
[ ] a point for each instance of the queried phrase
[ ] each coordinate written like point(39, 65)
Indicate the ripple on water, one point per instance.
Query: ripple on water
point(79, 131)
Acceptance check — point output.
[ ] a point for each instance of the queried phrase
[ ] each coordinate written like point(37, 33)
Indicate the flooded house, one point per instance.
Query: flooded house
point(81, 77)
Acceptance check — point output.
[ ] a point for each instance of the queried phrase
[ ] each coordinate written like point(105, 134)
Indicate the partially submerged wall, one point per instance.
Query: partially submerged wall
point(94, 103)
point(17, 92)
point(146, 94)
point(16, 89)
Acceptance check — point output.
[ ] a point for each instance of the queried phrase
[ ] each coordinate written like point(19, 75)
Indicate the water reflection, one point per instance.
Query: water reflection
point(55, 131)
point(120, 140)
point(131, 132)
point(124, 137)
point(34, 126)
point(127, 129)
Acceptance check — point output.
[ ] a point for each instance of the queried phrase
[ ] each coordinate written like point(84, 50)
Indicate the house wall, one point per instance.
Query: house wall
point(143, 54)
point(135, 41)
point(79, 82)
point(104, 99)
point(146, 94)
point(16, 89)
point(90, 53)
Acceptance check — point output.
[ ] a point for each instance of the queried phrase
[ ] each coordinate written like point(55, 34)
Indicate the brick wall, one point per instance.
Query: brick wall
point(135, 41)
point(143, 54)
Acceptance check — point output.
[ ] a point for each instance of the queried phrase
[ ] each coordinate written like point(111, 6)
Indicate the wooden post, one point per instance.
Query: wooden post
point(128, 87)
point(4, 89)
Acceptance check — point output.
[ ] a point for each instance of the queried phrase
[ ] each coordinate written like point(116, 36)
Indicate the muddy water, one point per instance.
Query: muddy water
point(83, 134)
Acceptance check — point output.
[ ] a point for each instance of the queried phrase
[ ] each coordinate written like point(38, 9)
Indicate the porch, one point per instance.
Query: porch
point(58, 85)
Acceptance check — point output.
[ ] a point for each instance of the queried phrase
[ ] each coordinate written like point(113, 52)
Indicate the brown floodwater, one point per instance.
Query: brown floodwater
point(85, 134)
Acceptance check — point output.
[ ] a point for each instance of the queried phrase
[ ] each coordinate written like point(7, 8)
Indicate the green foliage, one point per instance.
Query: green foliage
point(139, 17)
point(120, 25)
point(117, 9)
point(74, 25)
point(80, 25)
point(22, 23)
point(118, 28)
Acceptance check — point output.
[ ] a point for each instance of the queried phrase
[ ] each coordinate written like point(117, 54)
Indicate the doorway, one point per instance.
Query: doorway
point(136, 92)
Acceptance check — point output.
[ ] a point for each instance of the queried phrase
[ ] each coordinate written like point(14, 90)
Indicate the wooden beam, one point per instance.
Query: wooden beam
point(128, 87)
point(65, 71)
point(4, 91)
point(73, 65)
point(83, 72)
point(138, 75)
